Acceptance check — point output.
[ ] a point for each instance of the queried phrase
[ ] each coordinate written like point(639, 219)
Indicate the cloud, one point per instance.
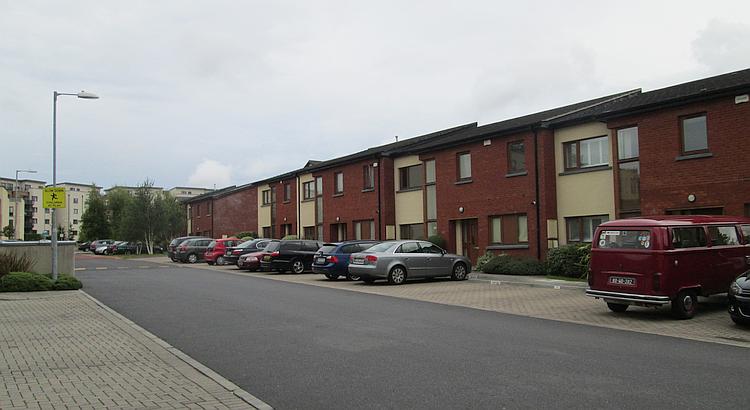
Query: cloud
point(210, 173)
point(723, 46)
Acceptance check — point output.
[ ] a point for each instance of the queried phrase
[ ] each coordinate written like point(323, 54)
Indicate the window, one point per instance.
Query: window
point(364, 229)
point(516, 157)
point(368, 177)
point(688, 238)
point(428, 247)
point(409, 247)
point(75, 222)
point(75, 200)
point(338, 232)
point(429, 167)
point(586, 153)
point(46, 210)
point(267, 199)
point(694, 134)
point(623, 238)
point(75, 211)
point(308, 190)
point(46, 221)
point(627, 143)
point(309, 232)
point(628, 171)
point(410, 177)
point(464, 166)
point(338, 183)
point(287, 192)
point(412, 231)
point(34, 209)
point(721, 235)
point(745, 232)
point(208, 208)
point(34, 198)
point(581, 228)
point(509, 229)
point(33, 220)
point(430, 192)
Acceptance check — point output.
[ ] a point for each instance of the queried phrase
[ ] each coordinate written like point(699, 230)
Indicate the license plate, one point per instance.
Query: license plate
point(320, 261)
point(267, 258)
point(619, 280)
point(358, 261)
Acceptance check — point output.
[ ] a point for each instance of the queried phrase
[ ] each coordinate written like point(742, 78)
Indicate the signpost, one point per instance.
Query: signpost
point(53, 197)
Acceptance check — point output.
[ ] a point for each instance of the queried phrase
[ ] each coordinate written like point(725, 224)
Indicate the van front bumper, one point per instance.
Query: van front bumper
point(629, 298)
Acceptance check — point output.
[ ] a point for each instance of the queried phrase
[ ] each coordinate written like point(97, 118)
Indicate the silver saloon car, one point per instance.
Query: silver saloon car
point(398, 260)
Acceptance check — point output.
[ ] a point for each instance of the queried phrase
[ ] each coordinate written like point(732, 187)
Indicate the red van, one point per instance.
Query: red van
point(673, 259)
point(216, 249)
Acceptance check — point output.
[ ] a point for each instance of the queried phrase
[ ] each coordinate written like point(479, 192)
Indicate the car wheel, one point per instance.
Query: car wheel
point(220, 260)
point(192, 258)
point(740, 321)
point(368, 281)
point(298, 266)
point(617, 307)
point(459, 272)
point(173, 259)
point(349, 276)
point(397, 275)
point(684, 305)
point(332, 276)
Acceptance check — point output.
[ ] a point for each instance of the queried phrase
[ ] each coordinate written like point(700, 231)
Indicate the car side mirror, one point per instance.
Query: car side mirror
point(443, 251)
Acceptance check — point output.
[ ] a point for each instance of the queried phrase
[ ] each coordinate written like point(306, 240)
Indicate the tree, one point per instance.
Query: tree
point(94, 222)
point(9, 231)
point(118, 200)
point(152, 217)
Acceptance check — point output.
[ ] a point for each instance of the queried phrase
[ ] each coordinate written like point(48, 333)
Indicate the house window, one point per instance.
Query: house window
point(46, 210)
point(364, 229)
point(46, 221)
point(33, 220)
point(308, 190)
point(694, 134)
point(287, 192)
point(368, 177)
point(75, 222)
point(338, 232)
point(430, 191)
point(34, 198)
point(338, 183)
point(267, 198)
point(581, 228)
point(586, 153)
point(516, 157)
point(464, 166)
point(75, 211)
point(509, 229)
point(309, 232)
point(629, 171)
point(410, 177)
point(208, 208)
point(412, 231)
point(34, 209)
point(75, 200)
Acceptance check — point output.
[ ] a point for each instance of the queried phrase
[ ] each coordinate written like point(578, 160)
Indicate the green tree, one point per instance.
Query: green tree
point(118, 201)
point(175, 216)
point(8, 231)
point(94, 222)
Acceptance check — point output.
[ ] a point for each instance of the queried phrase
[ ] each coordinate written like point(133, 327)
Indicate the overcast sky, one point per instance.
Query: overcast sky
point(200, 93)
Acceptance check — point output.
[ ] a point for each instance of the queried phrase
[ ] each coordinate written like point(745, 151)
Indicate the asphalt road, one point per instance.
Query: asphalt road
point(299, 346)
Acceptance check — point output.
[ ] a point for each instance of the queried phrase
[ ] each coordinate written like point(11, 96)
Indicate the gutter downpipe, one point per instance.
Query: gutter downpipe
point(536, 197)
point(299, 205)
point(380, 227)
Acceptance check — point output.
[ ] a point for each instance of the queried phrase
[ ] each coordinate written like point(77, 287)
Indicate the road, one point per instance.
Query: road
point(300, 346)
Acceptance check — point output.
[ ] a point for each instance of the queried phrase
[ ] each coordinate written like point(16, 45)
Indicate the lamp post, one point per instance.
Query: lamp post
point(55, 94)
point(15, 200)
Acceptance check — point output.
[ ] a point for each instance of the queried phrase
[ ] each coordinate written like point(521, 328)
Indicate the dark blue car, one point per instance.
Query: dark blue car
point(332, 259)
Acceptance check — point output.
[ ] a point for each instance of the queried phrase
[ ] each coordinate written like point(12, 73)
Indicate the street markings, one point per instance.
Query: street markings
point(117, 267)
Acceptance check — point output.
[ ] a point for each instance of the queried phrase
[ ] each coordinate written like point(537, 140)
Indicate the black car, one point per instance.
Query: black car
point(132, 248)
point(290, 255)
point(192, 250)
point(84, 246)
point(172, 247)
point(739, 299)
point(232, 254)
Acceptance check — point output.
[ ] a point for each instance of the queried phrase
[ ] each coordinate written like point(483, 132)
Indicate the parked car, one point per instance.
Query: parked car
point(172, 247)
point(251, 261)
point(232, 254)
point(192, 250)
point(131, 248)
point(84, 246)
point(99, 243)
point(217, 248)
point(667, 260)
point(396, 261)
point(112, 249)
point(739, 299)
point(290, 255)
point(332, 259)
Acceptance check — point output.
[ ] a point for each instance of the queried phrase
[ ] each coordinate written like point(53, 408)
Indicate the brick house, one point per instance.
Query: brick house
point(233, 211)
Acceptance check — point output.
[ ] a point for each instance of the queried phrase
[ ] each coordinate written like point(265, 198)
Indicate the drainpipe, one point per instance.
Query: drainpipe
point(536, 197)
point(299, 212)
point(380, 235)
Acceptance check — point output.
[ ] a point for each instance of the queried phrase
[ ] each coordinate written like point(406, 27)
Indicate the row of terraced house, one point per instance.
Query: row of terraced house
point(520, 186)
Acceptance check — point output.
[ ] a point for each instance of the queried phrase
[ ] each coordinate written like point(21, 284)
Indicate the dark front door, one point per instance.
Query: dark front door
point(469, 235)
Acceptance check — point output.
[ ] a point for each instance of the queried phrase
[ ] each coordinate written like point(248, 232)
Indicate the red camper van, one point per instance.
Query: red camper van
point(653, 261)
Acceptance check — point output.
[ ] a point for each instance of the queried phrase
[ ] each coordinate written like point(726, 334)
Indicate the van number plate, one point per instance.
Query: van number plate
point(619, 280)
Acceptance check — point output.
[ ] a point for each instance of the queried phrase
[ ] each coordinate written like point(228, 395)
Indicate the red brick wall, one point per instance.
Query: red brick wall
point(202, 220)
point(722, 180)
point(236, 212)
point(288, 209)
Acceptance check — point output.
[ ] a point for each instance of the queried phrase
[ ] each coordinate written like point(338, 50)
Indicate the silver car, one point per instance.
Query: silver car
point(398, 260)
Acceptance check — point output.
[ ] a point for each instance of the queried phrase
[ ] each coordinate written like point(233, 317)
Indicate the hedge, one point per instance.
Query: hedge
point(513, 265)
point(32, 282)
point(569, 260)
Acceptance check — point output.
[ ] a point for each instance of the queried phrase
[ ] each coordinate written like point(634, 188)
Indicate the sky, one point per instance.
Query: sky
point(218, 93)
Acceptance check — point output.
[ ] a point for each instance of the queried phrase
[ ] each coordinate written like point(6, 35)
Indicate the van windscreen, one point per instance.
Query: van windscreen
point(625, 238)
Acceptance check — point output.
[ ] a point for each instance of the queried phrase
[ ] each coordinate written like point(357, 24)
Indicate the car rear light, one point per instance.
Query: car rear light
point(275, 254)
point(371, 259)
point(236, 252)
point(657, 281)
point(333, 259)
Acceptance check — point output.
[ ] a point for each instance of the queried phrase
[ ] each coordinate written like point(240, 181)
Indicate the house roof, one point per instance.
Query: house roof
point(729, 83)
point(210, 194)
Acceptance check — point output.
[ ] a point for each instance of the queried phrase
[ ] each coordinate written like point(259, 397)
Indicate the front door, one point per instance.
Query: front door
point(469, 246)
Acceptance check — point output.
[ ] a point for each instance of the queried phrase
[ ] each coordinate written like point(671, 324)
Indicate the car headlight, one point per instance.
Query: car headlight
point(735, 289)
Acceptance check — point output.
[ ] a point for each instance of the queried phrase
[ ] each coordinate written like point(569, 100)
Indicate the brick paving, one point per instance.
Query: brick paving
point(63, 350)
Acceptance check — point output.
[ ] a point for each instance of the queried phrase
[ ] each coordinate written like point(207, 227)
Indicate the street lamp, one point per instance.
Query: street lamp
point(15, 201)
point(55, 94)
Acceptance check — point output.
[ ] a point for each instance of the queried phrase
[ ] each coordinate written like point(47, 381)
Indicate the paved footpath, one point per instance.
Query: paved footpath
point(67, 350)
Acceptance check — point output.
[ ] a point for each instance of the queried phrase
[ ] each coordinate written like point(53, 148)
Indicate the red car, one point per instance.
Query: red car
point(251, 261)
point(216, 249)
point(671, 259)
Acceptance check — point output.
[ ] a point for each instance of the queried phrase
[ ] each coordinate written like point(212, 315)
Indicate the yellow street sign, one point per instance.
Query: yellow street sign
point(53, 197)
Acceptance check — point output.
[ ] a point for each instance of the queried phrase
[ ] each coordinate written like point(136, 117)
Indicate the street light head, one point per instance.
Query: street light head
point(87, 95)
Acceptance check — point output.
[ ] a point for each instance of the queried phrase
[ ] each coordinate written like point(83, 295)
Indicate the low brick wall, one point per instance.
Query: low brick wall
point(41, 254)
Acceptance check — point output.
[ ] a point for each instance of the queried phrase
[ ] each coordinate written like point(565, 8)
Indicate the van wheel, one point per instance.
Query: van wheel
point(297, 266)
point(617, 307)
point(683, 306)
point(397, 275)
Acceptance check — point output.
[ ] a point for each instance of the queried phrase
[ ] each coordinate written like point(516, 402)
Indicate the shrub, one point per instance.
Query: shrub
point(437, 240)
point(67, 282)
point(289, 237)
point(246, 234)
point(25, 282)
point(11, 262)
point(569, 260)
point(482, 260)
point(513, 265)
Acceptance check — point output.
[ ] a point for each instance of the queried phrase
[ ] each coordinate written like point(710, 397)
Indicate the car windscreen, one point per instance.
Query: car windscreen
point(382, 247)
point(327, 248)
point(273, 246)
point(212, 244)
point(174, 242)
point(247, 244)
point(625, 238)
